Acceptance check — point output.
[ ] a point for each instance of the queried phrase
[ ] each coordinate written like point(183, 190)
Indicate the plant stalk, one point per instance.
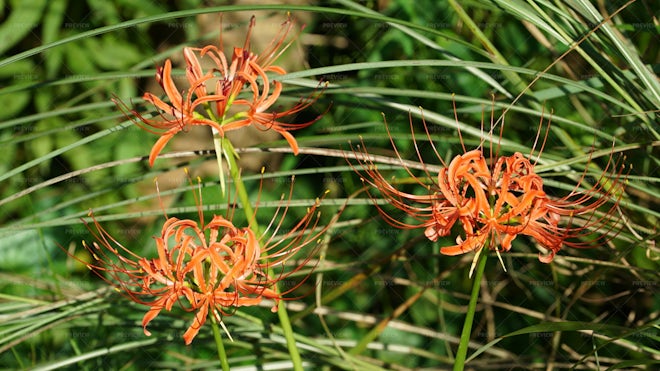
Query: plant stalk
point(242, 194)
point(222, 355)
point(461, 353)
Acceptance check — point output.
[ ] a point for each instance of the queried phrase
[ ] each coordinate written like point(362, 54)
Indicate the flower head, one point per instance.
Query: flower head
point(213, 96)
point(488, 199)
point(206, 268)
point(179, 113)
point(256, 111)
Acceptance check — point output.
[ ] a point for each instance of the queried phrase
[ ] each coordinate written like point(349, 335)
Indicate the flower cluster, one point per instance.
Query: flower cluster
point(205, 268)
point(493, 201)
point(212, 92)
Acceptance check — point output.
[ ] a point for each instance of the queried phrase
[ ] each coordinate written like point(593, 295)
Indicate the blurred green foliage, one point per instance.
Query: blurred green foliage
point(57, 117)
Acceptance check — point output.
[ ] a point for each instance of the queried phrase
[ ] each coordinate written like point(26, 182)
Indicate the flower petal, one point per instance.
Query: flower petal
point(155, 150)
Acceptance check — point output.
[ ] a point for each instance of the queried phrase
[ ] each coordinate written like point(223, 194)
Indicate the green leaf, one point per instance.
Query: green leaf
point(43, 100)
point(44, 144)
point(104, 11)
point(24, 17)
point(13, 104)
point(19, 73)
point(113, 54)
point(78, 57)
point(52, 22)
point(29, 255)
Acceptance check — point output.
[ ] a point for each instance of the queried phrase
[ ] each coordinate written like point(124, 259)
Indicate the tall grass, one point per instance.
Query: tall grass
point(378, 297)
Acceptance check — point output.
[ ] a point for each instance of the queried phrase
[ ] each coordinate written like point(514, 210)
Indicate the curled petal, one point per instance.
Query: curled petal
point(158, 147)
point(547, 258)
point(198, 321)
point(471, 243)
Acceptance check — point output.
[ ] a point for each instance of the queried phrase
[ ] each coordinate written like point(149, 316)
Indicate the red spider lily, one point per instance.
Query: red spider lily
point(231, 78)
point(205, 268)
point(180, 112)
point(245, 68)
point(497, 200)
point(261, 101)
point(244, 63)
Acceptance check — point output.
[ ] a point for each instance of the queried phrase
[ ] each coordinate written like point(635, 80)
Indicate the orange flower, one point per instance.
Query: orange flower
point(497, 200)
point(209, 269)
point(180, 112)
point(245, 69)
point(219, 88)
point(244, 63)
point(261, 101)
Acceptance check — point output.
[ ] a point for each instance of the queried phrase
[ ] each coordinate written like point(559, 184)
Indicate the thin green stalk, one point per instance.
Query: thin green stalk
point(242, 194)
point(283, 315)
point(235, 173)
point(461, 354)
point(219, 151)
point(224, 363)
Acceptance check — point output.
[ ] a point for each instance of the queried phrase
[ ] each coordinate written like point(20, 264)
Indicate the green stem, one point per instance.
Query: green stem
point(283, 315)
point(235, 174)
point(242, 194)
point(218, 145)
point(219, 344)
point(461, 354)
